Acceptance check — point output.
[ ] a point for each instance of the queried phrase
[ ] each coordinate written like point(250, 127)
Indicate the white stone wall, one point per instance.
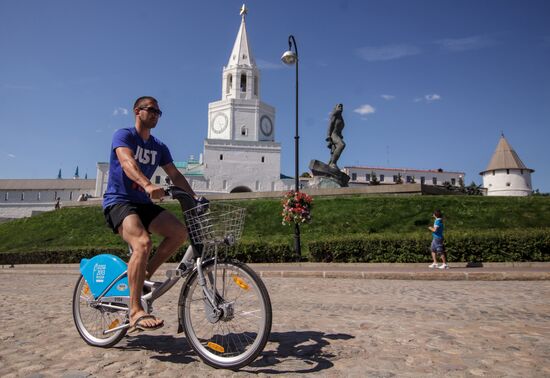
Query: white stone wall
point(40, 196)
point(102, 176)
point(507, 182)
point(440, 177)
point(22, 210)
point(228, 165)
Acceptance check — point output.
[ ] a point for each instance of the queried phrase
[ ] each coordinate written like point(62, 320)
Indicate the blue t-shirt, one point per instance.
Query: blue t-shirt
point(148, 154)
point(439, 232)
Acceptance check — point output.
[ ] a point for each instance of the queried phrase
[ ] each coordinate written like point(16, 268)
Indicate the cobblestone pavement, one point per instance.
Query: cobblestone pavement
point(321, 327)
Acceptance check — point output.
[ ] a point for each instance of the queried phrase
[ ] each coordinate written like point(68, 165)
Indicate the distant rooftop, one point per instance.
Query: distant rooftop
point(47, 184)
point(505, 157)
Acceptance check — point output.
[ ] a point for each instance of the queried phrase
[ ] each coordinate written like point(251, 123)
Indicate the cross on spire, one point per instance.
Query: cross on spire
point(244, 11)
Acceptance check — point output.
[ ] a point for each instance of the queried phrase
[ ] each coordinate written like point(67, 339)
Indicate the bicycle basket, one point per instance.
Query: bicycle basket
point(214, 223)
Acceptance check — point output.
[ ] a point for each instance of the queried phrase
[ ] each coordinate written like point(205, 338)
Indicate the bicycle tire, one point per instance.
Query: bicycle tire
point(227, 343)
point(96, 320)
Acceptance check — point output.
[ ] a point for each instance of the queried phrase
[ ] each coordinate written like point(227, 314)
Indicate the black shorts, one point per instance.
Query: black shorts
point(115, 214)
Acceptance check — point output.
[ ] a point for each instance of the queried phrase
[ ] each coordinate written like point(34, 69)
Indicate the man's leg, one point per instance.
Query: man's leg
point(133, 232)
point(174, 233)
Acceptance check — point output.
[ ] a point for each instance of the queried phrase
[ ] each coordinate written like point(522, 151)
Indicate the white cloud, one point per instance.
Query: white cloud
point(120, 111)
point(266, 65)
point(432, 97)
point(365, 110)
point(387, 97)
point(390, 52)
point(428, 98)
point(465, 44)
point(12, 156)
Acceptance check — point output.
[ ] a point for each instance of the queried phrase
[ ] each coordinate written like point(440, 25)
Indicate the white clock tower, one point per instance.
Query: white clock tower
point(240, 153)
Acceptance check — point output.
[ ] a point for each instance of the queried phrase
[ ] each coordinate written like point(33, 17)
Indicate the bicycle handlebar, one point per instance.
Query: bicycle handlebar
point(186, 200)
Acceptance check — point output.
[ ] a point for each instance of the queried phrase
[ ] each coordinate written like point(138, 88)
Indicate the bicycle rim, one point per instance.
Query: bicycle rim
point(92, 321)
point(234, 341)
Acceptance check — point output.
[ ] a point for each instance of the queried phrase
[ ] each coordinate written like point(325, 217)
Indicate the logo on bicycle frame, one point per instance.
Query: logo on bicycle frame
point(99, 272)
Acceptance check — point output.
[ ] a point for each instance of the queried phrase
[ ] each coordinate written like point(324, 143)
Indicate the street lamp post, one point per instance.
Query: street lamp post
point(291, 57)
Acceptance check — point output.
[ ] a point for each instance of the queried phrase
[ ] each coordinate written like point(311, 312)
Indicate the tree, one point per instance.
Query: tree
point(474, 190)
point(461, 184)
point(399, 179)
point(373, 179)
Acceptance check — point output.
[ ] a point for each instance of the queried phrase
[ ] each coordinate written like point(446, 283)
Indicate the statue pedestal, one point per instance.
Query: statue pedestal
point(325, 176)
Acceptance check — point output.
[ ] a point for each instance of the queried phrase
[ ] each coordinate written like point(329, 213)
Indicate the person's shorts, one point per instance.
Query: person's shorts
point(437, 245)
point(115, 214)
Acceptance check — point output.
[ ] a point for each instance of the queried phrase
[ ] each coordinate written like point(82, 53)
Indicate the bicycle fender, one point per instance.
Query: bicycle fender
point(101, 270)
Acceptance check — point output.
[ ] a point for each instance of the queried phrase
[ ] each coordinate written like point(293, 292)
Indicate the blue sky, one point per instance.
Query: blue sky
point(425, 84)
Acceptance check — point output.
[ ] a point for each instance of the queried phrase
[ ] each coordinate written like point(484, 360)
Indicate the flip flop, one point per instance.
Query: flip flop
point(138, 327)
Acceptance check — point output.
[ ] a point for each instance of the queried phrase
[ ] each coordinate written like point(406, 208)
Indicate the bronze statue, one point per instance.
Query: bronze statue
point(335, 138)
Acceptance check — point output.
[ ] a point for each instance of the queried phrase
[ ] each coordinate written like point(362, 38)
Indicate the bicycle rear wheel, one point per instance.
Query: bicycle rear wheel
point(92, 320)
point(235, 336)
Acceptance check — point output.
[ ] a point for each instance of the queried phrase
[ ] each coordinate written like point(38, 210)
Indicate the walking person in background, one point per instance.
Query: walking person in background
point(438, 247)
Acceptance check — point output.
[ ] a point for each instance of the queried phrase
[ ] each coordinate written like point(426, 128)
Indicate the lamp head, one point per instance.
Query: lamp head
point(289, 57)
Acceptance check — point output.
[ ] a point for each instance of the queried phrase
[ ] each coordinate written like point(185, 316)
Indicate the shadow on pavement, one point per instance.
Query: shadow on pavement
point(170, 349)
point(297, 352)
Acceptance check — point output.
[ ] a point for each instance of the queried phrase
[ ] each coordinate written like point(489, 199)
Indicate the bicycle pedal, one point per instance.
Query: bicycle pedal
point(175, 273)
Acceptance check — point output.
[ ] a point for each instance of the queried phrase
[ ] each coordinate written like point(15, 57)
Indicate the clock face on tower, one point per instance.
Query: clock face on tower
point(219, 123)
point(266, 125)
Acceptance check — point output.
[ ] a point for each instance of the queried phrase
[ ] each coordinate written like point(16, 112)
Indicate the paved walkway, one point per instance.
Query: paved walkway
point(527, 271)
point(321, 327)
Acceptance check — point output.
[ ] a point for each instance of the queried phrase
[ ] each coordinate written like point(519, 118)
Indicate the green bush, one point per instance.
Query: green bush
point(245, 252)
point(498, 246)
point(510, 245)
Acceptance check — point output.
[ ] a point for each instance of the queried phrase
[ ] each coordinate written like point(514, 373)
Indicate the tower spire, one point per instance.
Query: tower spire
point(241, 55)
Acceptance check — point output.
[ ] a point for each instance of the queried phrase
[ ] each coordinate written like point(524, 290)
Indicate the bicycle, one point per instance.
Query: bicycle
point(223, 307)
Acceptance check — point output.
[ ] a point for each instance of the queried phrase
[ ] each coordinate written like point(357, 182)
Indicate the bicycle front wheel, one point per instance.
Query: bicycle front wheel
point(92, 320)
point(234, 333)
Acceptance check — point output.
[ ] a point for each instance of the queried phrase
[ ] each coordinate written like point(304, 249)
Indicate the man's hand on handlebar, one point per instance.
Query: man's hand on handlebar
point(154, 191)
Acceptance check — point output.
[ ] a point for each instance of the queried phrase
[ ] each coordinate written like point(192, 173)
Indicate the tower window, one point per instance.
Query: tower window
point(381, 178)
point(70, 196)
point(221, 156)
point(229, 83)
point(157, 179)
point(434, 180)
point(507, 171)
point(6, 196)
point(243, 83)
point(263, 159)
point(354, 177)
point(23, 196)
point(255, 85)
point(244, 131)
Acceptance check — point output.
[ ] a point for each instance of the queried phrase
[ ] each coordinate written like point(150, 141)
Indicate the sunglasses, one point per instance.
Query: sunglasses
point(151, 110)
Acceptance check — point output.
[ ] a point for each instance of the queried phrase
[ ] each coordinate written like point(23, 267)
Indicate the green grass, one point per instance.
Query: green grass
point(85, 226)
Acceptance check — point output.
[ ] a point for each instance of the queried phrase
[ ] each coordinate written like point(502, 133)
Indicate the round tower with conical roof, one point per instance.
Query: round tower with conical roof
point(506, 175)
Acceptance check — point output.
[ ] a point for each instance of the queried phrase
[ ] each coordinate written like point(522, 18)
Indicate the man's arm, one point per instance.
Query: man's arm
point(131, 169)
point(177, 178)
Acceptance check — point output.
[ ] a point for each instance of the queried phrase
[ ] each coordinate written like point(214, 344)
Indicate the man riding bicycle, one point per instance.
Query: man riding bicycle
point(127, 205)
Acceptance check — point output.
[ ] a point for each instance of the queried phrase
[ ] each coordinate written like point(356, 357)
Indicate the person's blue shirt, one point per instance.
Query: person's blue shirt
point(148, 154)
point(438, 225)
